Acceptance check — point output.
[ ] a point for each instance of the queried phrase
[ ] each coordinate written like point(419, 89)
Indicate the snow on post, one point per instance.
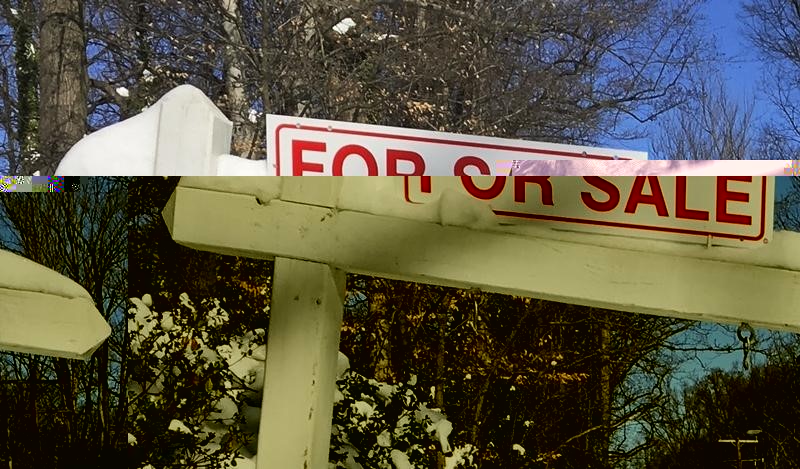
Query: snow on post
point(183, 133)
point(45, 313)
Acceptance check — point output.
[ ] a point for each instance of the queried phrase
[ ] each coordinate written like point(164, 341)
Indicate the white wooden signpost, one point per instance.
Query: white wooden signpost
point(317, 229)
point(312, 147)
point(45, 313)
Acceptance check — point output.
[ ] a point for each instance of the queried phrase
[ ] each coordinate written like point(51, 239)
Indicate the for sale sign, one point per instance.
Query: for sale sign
point(311, 147)
point(733, 211)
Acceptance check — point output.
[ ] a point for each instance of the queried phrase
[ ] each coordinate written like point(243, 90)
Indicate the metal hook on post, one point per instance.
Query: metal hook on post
point(747, 342)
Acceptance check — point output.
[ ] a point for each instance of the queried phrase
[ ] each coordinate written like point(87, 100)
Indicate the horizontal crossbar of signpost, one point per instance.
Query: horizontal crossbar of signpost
point(721, 285)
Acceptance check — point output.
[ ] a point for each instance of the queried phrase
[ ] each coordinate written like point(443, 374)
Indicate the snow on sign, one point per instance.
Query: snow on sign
point(308, 147)
point(732, 211)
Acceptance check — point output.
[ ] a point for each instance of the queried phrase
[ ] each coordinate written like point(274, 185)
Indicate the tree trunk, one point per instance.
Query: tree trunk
point(27, 89)
point(238, 108)
point(63, 85)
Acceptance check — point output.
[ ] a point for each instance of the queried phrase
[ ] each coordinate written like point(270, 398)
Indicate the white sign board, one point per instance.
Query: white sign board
point(312, 147)
point(733, 211)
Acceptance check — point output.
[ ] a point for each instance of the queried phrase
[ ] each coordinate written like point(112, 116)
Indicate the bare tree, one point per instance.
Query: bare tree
point(710, 126)
point(773, 26)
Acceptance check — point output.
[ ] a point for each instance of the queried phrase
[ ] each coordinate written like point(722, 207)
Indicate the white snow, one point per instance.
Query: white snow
point(442, 430)
point(14, 12)
point(337, 395)
point(352, 453)
point(518, 448)
point(131, 439)
point(460, 456)
point(147, 76)
point(232, 165)
point(122, 91)
point(400, 460)
point(342, 365)
point(128, 148)
point(385, 439)
point(166, 322)
point(265, 189)
point(343, 26)
point(252, 116)
point(242, 463)
point(363, 408)
point(21, 273)
point(37, 173)
point(226, 409)
point(178, 426)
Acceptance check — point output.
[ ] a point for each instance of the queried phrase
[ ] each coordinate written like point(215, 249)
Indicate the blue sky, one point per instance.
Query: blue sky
point(741, 67)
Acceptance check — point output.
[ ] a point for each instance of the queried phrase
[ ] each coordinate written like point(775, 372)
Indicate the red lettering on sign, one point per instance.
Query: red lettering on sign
point(680, 203)
point(298, 147)
point(545, 187)
point(637, 197)
point(347, 150)
point(605, 186)
point(484, 194)
point(724, 196)
point(466, 161)
point(393, 156)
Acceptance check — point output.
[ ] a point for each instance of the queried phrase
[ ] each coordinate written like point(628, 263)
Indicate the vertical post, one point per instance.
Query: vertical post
point(300, 376)
point(192, 133)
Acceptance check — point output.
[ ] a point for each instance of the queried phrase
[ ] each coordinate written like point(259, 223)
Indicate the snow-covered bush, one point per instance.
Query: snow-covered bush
point(188, 385)
point(381, 426)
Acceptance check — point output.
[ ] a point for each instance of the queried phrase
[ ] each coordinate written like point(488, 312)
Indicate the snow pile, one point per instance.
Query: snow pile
point(123, 149)
point(231, 165)
point(128, 148)
point(178, 426)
